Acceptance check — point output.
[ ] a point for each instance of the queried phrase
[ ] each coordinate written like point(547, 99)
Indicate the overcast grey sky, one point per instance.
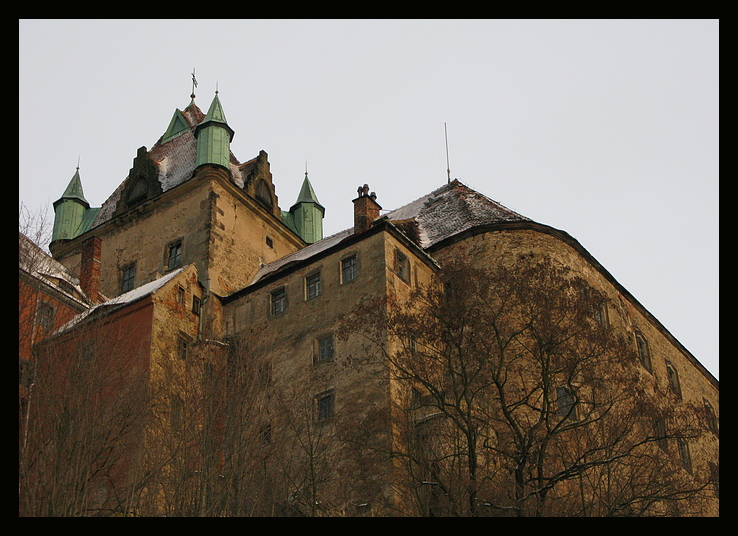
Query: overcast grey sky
point(607, 130)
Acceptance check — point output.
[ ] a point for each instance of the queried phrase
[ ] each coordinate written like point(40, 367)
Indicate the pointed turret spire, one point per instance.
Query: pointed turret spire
point(214, 137)
point(69, 210)
point(307, 213)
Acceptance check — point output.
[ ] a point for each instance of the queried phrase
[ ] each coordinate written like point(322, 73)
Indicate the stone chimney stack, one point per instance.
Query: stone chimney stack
point(366, 209)
point(89, 276)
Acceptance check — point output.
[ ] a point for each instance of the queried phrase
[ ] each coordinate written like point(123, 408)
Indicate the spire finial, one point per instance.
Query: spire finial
point(306, 168)
point(448, 167)
point(216, 87)
point(194, 85)
point(78, 163)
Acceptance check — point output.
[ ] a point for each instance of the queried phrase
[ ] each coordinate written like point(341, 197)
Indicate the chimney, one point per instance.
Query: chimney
point(89, 277)
point(366, 209)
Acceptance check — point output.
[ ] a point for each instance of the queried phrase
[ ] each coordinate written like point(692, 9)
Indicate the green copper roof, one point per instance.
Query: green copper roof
point(72, 213)
point(307, 214)
point(307, 194)
point(214, 137)
point(177, 126)
point(74, 190)
point(215, 112)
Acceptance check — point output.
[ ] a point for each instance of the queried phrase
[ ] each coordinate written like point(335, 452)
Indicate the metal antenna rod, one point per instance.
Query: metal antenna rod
point(448, 167)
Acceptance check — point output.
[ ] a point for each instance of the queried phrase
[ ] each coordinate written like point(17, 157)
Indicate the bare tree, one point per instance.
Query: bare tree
point(521, 401)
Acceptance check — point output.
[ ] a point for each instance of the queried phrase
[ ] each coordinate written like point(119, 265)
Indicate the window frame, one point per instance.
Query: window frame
point(174, 261)
point(44, 317)
point(402, 266)
point(353, 268)
point(566, 402)
point(281, 300)
point(644, 351)
point(325, 413)
point(672, 377)
point(183, 347)
point(324, 352)
point(128, 277)
point(313, 285)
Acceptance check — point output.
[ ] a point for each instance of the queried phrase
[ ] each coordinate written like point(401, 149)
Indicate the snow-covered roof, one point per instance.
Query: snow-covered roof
point(37, 263)
point(122, 300)
point(175, 157)
point(444, 212)
point(302, 254)
point(449, 210)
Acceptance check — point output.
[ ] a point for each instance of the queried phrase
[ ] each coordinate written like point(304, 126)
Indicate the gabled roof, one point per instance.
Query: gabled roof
point(446, 211)
point(43, 268)
point(449, 210)
point(124, 299)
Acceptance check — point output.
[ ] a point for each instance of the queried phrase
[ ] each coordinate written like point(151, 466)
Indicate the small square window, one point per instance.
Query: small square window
point(349, 269)
point(129, 276)
point(174, 259)
point(325, 349)
point(312, 286)
point(278, 301)
point(269, 242)
point(325, 403)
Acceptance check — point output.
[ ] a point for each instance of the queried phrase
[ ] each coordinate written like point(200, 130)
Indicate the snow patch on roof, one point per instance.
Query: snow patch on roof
point(302, 254)
point(122, 300)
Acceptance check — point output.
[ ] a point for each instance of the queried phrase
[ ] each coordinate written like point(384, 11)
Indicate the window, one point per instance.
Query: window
point(715, 477)
point(566, 400)
point(673, 379)
point(182, 345)
point(196, 305)
point(402, 266)
point(129, 276)
point(684, 455)
point(712, 422)
point(269, 242)
point(324, 350)
point(659, 431)
point(278, 301)
point(181, 295)
point(600, 315)
point(45, 316)
point(644, 354)
point(174, 259)
point(349, 269)
point(325, 402)
point(312, 286)
point(177, 407)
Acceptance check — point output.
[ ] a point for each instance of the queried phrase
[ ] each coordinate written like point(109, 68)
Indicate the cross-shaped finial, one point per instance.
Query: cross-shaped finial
point(194, 84)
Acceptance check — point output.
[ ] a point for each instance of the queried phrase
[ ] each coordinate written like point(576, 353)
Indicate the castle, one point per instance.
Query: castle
point(192, 252)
